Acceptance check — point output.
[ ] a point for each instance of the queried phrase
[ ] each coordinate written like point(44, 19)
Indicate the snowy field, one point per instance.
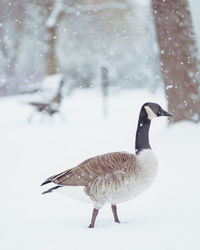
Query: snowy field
point(166, 217)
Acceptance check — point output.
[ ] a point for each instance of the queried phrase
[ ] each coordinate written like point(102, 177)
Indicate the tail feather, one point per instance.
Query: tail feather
point(46, 182)
point(55, 178)
point(49, 180)
point(51, 189)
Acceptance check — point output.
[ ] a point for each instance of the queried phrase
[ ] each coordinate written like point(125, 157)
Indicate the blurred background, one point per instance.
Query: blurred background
point(73, 77)
point(77, 39)
point(103, 44)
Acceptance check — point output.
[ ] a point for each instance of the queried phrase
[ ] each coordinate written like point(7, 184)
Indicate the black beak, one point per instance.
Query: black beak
point(165, 113)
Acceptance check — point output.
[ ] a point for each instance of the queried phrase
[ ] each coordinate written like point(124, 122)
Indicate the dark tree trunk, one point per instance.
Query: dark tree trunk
point(178, 56)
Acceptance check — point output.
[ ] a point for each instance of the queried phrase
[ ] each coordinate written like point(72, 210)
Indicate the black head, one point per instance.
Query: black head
point(152, 110)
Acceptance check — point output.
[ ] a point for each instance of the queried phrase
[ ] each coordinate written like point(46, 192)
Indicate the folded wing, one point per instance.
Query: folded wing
point(90, 169)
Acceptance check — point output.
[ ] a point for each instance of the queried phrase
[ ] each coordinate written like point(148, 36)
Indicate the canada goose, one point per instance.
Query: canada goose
point(118, 176)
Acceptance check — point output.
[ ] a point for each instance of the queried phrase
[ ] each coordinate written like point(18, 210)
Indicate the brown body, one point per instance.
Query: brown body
point(88, 171)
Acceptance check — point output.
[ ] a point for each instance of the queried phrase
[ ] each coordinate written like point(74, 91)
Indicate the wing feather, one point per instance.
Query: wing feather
point(90, 169)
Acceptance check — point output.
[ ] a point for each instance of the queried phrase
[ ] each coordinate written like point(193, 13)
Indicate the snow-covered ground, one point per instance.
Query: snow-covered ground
point(165, 217)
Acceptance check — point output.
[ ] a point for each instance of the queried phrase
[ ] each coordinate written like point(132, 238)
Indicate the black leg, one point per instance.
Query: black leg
point(94, 215)
point(114, 210)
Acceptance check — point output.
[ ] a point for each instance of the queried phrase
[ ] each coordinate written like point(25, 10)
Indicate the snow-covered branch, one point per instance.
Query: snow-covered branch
point(63, 5)
point(56, 10)
point(97, 7)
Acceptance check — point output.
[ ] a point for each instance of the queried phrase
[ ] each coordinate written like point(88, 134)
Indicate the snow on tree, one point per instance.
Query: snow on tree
point(111, 34)
point(178, 58)
point(51, 25)
point(77, 39)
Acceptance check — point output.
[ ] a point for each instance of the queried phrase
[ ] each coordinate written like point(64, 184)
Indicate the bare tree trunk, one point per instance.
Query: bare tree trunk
point(55, 10)
point(178, 55)
point(51, 53)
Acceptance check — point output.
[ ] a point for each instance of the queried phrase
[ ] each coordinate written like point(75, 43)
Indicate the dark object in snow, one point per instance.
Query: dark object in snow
point(52, 106)
point(118, 176)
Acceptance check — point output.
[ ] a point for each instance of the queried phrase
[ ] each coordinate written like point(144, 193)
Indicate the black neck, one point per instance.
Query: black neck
point(142, 134)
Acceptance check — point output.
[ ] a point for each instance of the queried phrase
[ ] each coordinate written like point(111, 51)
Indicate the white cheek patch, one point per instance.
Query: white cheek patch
point(150, 113)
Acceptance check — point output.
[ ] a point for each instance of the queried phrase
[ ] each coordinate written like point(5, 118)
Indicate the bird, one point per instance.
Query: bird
point(117, 176)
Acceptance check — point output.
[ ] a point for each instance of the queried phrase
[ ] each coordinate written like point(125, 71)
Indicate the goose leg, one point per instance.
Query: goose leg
point(94, 215)
point(114, 210)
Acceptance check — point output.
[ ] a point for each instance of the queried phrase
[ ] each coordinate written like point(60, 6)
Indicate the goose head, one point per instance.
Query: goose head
point(152, 110)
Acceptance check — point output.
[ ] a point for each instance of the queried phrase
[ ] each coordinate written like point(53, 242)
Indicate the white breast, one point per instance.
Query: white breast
point(145, 171)
point(141, 179)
